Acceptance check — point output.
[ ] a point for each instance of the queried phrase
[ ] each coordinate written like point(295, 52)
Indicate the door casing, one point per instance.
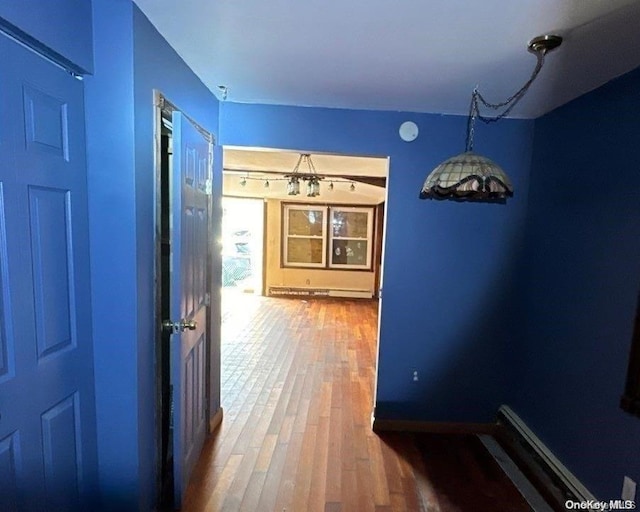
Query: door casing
point(164, 470)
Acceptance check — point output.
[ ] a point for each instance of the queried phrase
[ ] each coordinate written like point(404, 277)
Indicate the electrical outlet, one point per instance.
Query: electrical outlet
point(415, 376)
point(628, 489)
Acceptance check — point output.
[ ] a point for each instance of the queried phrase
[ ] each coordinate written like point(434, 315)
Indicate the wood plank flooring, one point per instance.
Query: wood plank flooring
point(297, 393)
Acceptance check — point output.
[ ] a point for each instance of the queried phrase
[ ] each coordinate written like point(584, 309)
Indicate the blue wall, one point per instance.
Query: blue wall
point(583, 271)
point(449, 283)
point(131, 59)
point(156, 67)
point(62, 27)
point(112, 214)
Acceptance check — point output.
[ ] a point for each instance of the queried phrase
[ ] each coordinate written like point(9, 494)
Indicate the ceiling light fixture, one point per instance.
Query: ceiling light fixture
point(310, 176)
point(472, 177)
point(293, 186)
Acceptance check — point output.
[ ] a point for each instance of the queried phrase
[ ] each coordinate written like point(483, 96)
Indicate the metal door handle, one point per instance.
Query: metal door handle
point(181, 326)
point(191, 325)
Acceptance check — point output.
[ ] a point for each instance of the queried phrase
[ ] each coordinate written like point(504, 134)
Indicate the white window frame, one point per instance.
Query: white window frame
point(369, 210)
point(286, 236)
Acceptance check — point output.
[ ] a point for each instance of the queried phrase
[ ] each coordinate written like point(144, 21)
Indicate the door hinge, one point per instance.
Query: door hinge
point(207, 299)
point(208, 187)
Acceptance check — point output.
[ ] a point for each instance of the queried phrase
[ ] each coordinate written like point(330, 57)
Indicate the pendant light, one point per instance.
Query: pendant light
point(472, 177)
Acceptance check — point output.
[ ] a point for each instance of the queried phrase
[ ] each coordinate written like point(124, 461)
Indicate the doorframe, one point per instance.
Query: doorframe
point(381, 220)
point(163, 106)
point(380, 286)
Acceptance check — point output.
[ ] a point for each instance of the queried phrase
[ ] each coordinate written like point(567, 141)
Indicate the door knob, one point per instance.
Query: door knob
point(181, 326)
point(190, 325)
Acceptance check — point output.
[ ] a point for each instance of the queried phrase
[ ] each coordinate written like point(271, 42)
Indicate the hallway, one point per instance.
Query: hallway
point(297, 385)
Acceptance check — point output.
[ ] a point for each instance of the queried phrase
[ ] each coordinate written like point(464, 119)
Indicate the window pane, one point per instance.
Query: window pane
point(350, 224)
point(349, 252)
point(304, 250)
point(305, 222)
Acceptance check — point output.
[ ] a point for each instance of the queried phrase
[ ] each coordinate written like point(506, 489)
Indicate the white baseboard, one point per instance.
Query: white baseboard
point(351, 294)
point(565, 476)
point(347, 293)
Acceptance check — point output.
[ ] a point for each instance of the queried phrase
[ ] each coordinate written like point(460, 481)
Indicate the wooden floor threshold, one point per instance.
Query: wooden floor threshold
point(216, 420)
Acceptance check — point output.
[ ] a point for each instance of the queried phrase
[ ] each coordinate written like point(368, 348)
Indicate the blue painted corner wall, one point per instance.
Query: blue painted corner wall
point(449, 273)
point(583, 272)
point(111, 182)
point(131, 61)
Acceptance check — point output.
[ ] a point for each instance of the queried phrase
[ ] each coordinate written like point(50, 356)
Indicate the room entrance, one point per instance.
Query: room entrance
point(183, 296)
point(242, 245)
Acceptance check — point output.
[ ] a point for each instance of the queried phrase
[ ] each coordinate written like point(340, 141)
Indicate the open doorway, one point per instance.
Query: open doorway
point(242, 245)
point(183, 303)
point(322, 244)
point(163, 265)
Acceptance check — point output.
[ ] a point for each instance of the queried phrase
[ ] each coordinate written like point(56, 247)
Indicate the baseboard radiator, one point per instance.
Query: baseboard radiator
point(347, 293)
point(543, 457)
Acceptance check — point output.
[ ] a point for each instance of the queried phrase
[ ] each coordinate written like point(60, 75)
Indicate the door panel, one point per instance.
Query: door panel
point(46, 123)
point(189, 243)
point(9, 458)
point(51, 260)
point(62, 463)
point(48, 457)
point(6, 332)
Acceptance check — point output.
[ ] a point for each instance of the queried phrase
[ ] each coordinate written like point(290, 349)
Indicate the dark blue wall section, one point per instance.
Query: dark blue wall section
point(131, 59)
point(63, 26)
point(449, 283)
point(583, 268)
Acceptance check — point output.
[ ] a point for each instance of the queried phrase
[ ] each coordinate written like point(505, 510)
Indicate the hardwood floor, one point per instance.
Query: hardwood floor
point(297, 385)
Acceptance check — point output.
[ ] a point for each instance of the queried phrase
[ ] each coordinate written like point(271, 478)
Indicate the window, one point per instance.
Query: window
point(305, 234)
point(335, 237)
point(351, 234)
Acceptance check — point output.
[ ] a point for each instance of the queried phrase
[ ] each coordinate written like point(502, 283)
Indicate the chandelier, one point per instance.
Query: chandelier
point(311, 177)
point(472, 177)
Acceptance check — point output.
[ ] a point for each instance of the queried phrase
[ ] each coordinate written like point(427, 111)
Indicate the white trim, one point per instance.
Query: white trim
point(350, 293)
point(286, 236)
point(560, 470)
point(369, 210)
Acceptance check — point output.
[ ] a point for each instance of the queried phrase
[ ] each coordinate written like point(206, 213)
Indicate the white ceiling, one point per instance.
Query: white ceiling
point(257, 165)
point(261, 159)
point(420, 56)
point(341, 193)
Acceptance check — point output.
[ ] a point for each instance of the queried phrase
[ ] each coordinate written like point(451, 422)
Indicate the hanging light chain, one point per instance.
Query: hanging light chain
point(471, 119)
point(512, 101)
